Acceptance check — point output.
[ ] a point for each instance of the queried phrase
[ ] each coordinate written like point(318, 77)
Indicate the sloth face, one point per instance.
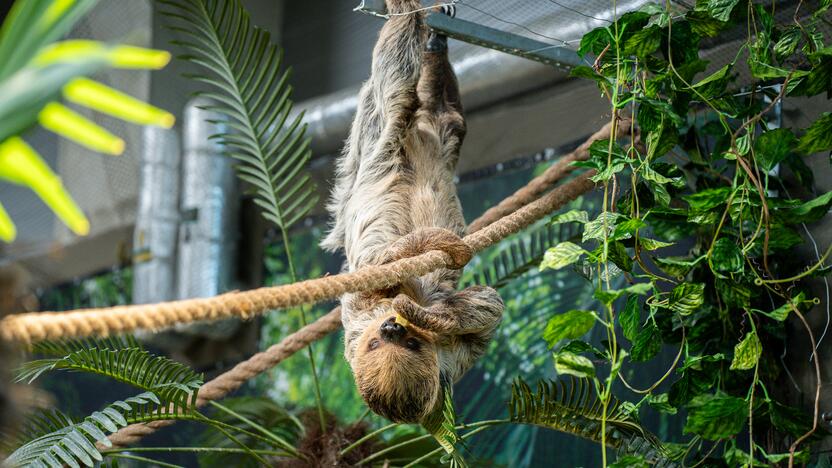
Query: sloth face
point(397, 370)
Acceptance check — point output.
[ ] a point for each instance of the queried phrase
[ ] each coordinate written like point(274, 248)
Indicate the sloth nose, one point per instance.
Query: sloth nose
point(391, 331)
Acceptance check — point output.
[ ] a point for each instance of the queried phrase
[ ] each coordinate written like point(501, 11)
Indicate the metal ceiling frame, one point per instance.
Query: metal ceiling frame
point(484, 36)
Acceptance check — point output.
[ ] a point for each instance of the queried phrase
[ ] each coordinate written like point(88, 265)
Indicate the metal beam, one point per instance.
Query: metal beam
point(484, 36)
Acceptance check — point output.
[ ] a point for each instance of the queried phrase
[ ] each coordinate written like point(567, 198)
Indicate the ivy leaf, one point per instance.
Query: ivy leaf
point(652, 244)
point(714, 84)
point(773, 146)
point(626, 229)
point(818, 136)
point(810, 211)
point(578, 346)
point(644, 42)
point(716, 417)
point(782, 313)
point(686, 298)
point(572, 216)
point(609, 296)
point(561, 255)
point(703, 24)
point(567, 363)
point(647, 343)
point(789, 39)
point(721, 9)
point(569, 325)
point(734, 294)
point(595, 41)
point(677, 267)
point(706, 200)
point(629, 318)
point(660, 402)
point(595, 228)
point(726, 256)
point(618, 254)
point(789, 420)
point(747, 352)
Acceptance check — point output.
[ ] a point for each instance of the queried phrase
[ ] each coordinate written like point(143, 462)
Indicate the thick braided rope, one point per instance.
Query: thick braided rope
point(30, 327)
point(231, 380)
point(234, 378)
point(562, 168)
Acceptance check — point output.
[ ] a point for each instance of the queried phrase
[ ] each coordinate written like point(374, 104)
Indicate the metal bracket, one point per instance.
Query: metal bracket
point(484, 36)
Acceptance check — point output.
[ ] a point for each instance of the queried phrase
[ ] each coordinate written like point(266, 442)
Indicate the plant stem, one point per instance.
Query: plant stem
point(193, 450)
point(293, 276)
point(367, 437)
point(269, 434)
point(148, 461)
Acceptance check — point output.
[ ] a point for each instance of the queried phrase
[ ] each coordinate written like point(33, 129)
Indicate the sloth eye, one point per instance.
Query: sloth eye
point(374, 344)
point(412, 344)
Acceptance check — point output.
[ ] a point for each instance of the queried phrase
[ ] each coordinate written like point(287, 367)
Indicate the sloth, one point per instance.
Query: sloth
point(394, 197)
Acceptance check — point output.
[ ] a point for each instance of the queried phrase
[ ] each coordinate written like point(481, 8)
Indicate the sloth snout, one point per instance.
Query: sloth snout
point(391, 330)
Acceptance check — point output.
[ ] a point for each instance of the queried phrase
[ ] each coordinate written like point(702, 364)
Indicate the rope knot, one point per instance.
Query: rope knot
point(433, 238)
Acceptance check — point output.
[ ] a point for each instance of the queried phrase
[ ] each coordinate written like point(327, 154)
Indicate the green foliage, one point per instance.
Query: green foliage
point(73, 444)
point(573, 407)
point(705, 182)
point(568, 325)
point(249, 86)
point(121, 360)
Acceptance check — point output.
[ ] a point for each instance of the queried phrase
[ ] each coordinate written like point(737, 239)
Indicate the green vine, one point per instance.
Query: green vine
point(691, 219)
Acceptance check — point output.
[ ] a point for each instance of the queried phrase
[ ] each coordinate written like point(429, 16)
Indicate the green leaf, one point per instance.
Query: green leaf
point(661, 402)
point(726, 256)
point(652, 244)
point(714, 84)
point(818, 136)
point(703, 24)
point(716, 417)
point(595, 228)
point(569, 325)
point(618, 254)
point(609, 296)
point(721, 9)
point(774, 146)
point(677, 267)
point(626, 229)
point(782, 313)
point(567, 363)
point(811, 210)
point(706, 200)
point(578, 346)
point(686, 298)
point(571, 216)
point(646, 344)
point(644, 42)
point(629, 318)
point(561, 255)
point(789, 39)
point(747, 352)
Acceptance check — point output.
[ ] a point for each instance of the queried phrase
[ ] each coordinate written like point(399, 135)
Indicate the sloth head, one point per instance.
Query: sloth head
point(397, 370)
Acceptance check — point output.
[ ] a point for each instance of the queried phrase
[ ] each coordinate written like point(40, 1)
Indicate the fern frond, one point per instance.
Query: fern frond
point(249, 86)
point(66, 442)
point(171, 381)
point(517, 256)
point(575, 408)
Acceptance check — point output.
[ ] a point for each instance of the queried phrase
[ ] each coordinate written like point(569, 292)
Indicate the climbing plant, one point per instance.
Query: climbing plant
point(699, 219)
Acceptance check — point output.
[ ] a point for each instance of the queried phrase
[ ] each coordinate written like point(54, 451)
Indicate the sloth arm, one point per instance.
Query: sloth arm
point(476, 310)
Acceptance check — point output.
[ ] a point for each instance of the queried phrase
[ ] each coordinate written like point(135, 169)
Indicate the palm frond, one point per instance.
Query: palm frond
point(66, 442)
point(121, 360)
point(515, 257)
point(575, 408)
point(249, 86)
point(441, 424)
